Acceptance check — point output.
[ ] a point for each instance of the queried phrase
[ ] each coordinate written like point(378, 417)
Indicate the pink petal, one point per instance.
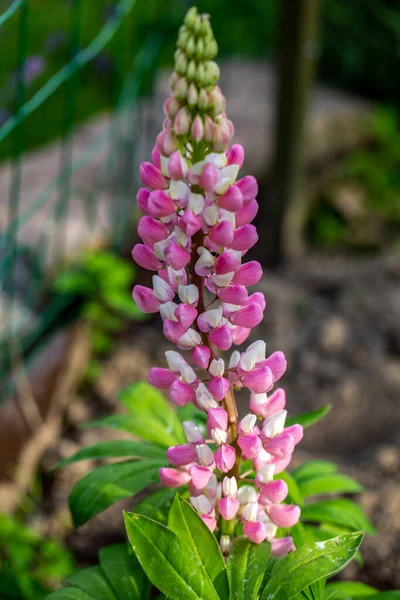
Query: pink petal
point(173, 478)
point(228, 507)
point(255, 531)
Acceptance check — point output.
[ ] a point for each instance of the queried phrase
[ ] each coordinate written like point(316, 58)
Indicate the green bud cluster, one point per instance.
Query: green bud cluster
point(196, 74)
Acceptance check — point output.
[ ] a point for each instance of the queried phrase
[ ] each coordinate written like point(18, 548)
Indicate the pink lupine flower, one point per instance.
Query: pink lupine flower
point(255, 531)
point(281, 446)
point(145, 299)
point(196, 230)
point(200, 476)
point(145, 257)
point(248, 274)
point(247, 214)
point(259, 380)
point(201, 356)
point(174, 478)
point(225, 457)
point(217, 418)
point(181, 393)
point(250, 445)
point(151, 230)
point(219, 387)
point(161, 378)
point(280, 547)
point(229, 504)
point(152, 177)
point(284, 515)
point(181, 455)
point(275, 491)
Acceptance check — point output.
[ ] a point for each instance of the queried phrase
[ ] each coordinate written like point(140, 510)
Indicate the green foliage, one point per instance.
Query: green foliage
point(246, 567)
point(370, 177)
point(300, 569)
point(177, 551)
point(101, 281)
point(377, 168)
point(162, 554)
point(30, 565)
point(184, 521)
point(150, 417)
point(168, 561)
point(309, 418)
point(117, 577)
point(349, 590)
point(107, 484)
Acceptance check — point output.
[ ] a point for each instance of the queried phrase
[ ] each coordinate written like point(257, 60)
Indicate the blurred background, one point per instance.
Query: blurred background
point(313, 89)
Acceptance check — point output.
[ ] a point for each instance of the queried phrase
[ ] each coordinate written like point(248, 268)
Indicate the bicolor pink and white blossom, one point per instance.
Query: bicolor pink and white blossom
point(195, 233)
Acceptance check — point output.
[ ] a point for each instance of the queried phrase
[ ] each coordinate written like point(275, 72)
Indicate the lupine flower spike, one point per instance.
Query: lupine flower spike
point(196, 231)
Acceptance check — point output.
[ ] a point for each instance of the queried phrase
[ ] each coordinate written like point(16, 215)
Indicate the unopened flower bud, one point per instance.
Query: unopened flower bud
point(197, 129)
point(180, 88)
point(225, 544)
point(191, 71)
point(192, 95)
point(229, 486)
point(199, 48)
point(191, 17)
point(203, 99)
point(217, 101)
point(211, 72)
point(181, 62)
point(211, 49)
point(183, 37)
point(200, 74)
point(190, 47)
point(209, 129)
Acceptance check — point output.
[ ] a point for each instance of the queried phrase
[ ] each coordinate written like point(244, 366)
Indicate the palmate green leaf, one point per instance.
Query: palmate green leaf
point(309, 418)
point(351, 588)
point(313, 468)
point(168, 561)
point(316, 591)
point(69, 593)
point(105, 485)
point(330, 484)
point(115, 449)
point(157, 505)
point(307, 534)
point(93, 582)
point(124, 572)
point(359, 591)
point(336, 595)
point(186, 523)
point(150, 417)
point(146, 403)
point(338, 511)
point(246, 567)
point(300, 569)
point(150, 430)
point(389, 595)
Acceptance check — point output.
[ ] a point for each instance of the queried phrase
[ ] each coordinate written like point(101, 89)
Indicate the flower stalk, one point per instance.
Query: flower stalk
point(196, 231)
